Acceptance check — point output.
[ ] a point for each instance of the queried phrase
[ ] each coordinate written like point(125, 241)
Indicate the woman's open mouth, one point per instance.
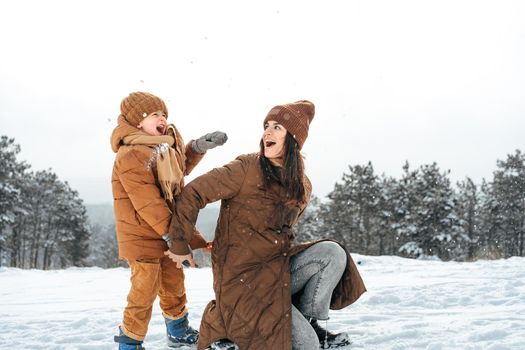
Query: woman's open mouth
point(269, 143)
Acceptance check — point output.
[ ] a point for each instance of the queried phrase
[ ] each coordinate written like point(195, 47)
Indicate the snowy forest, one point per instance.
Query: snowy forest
point(44, 223)
point(423, 214)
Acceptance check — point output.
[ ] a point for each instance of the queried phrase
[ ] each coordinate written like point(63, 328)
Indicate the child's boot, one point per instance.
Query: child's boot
point(127, 343)
point(180, 332)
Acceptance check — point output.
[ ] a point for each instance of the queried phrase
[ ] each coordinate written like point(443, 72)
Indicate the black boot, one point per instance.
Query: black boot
point(329, 340)
point(223, 344)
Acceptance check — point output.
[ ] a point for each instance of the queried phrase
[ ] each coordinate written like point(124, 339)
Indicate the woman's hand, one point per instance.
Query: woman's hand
point(180, 259)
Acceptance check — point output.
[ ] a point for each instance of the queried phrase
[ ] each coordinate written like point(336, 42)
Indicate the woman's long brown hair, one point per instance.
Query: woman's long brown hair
point(291, 175)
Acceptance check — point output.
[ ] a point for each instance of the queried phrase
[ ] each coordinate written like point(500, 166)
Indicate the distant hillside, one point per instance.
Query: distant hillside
point(207, 221)
point(102, 214)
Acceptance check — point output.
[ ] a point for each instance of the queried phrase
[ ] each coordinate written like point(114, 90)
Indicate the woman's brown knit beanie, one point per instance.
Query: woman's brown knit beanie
point(295, 117)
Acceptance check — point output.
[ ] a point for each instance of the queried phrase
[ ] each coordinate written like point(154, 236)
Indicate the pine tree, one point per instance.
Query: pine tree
point(469, 209)
point(11, 175)
point(406, 197)
point(391, 215)
point(75, 233)
point(351, 214)
point(432, 214)
point(509, 192)
point(308, 227)
point(492, 240)
point(336, 218)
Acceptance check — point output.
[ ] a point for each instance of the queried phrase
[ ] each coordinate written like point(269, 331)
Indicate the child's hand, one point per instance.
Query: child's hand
point(180, 259)
point(208, 248)
point(209, 141)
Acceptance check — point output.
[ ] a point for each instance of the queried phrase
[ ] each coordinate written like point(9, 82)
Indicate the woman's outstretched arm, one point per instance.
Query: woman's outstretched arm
point(219, 183)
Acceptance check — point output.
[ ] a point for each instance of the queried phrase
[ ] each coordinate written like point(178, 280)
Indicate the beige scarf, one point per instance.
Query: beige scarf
point(168, 157)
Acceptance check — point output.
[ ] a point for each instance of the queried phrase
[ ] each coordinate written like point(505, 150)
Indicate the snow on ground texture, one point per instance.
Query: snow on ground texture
point(410, 304)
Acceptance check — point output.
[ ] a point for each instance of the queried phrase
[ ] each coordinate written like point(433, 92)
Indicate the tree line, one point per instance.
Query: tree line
point(423, 214)
point(43, 222)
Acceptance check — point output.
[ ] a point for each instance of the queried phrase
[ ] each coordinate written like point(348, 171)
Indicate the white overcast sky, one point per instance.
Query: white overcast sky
point(392, 81)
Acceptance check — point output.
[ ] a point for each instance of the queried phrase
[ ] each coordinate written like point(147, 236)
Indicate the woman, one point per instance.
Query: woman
point(256, 267)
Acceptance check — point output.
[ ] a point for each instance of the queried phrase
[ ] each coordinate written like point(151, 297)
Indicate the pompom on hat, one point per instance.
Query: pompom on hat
point(138, 105)
point(295, 117)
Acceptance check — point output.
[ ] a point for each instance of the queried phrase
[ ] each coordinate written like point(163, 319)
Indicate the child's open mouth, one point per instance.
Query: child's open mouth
point(160, 129)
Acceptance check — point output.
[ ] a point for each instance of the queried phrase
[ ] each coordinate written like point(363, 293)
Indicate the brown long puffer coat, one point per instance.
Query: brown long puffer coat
point(142, 215)
point(250, 257)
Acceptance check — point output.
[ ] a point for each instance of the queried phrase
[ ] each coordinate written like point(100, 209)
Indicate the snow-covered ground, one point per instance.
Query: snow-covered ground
point(410, 304)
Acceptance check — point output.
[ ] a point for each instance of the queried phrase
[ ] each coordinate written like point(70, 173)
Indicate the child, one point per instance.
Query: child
point(148, 172)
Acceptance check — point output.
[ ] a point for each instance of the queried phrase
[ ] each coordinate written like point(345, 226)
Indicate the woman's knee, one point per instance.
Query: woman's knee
point(335, 252)
point(326, 253)
point(336, 255)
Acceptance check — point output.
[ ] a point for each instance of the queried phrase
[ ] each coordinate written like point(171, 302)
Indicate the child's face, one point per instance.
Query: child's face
point(154, 124)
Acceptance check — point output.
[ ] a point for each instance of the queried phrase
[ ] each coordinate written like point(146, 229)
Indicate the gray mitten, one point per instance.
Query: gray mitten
point(209, 141)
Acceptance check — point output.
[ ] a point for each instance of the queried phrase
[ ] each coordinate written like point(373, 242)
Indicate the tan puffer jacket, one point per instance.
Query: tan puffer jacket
point(142, 215)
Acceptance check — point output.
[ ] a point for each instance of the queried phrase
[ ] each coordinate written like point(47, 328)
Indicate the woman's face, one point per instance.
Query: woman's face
point(273, 139)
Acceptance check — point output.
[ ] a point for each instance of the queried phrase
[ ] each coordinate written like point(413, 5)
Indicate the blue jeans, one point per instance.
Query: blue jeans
point(315, 272)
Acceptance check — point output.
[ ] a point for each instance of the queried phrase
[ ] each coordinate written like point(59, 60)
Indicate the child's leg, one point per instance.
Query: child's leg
point(145, 281)
point(173, 304)
point(172, 293)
